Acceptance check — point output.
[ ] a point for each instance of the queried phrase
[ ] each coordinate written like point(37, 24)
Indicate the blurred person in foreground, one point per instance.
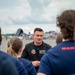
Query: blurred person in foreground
point(14, 48)
point(7, 63)
point(7, 67)
point(60, 60)
point(35, 50)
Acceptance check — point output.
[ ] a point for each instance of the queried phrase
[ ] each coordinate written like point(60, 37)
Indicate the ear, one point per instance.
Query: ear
point(20, 51)
point(32, 35)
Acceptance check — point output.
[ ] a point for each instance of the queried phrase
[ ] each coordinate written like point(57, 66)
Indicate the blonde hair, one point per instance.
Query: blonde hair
point(13, 46)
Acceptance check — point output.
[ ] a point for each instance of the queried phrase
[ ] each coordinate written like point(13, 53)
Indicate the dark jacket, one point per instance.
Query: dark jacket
point(28, 65)
point(18, 64)
point(6, 66)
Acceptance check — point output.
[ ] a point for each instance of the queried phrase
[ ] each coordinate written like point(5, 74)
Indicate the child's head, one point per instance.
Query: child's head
point(14, 45)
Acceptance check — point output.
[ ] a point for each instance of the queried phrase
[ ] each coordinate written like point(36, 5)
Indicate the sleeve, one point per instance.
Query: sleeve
point(32, 70)
point(21, 69)
point(45, 66)
point(25, 52)
point(7, 67)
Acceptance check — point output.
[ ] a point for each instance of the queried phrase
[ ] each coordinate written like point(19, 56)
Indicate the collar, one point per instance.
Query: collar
point(38, 45)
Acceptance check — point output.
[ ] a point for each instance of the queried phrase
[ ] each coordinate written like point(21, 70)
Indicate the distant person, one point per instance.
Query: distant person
point(35, 50)
point(60, 60)
point(7, 63)
point(7, 67)
point(6, 37)
point(15, 49)
point(59, 39)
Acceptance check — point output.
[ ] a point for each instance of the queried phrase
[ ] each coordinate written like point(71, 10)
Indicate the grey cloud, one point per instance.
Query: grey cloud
point(28, 21)
point(8, 3)
point(38, 7)
point(37, 10)
point(36, 4)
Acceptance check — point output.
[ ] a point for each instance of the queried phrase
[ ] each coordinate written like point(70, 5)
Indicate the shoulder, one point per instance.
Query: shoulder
point(47, 45)
point(5, 61)
point(5, 54)
point(16, 61)
point(56, 50)
point(29, 44)
point(3, 58)
point(7, 66)
point(24, 60)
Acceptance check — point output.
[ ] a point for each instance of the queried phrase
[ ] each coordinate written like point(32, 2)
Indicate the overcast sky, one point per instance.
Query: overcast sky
point(29, 14)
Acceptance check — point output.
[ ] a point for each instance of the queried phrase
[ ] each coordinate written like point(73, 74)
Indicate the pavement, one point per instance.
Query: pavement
point(50, 41)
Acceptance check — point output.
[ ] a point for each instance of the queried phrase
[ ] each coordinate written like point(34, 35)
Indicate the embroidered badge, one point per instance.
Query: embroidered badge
point(33, 51)
point(42, 51)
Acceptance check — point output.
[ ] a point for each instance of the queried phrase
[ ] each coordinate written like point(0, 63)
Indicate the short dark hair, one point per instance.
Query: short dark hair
point(0, 37)
point(66, 23)
point(38, 29)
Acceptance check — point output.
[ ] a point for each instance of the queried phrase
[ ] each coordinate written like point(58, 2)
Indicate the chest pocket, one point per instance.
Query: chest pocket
point(42, 51)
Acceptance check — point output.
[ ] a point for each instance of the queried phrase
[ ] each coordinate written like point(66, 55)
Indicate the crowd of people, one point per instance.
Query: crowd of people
point(38, 57)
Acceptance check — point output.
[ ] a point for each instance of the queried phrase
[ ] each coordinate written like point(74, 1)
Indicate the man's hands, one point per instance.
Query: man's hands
point(41, 74)
point(36, 63)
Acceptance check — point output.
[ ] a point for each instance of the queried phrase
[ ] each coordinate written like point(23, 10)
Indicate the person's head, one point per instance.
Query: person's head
point(59, 38)
point(14, 47)
point(66, 23)
point(38, 36)
point(0, 37)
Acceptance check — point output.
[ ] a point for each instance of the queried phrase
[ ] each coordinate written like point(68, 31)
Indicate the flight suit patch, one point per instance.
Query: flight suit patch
point(42, 51)
point(33, 51)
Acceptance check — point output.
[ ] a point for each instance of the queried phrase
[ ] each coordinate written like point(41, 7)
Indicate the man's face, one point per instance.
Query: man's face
point(38, 36)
